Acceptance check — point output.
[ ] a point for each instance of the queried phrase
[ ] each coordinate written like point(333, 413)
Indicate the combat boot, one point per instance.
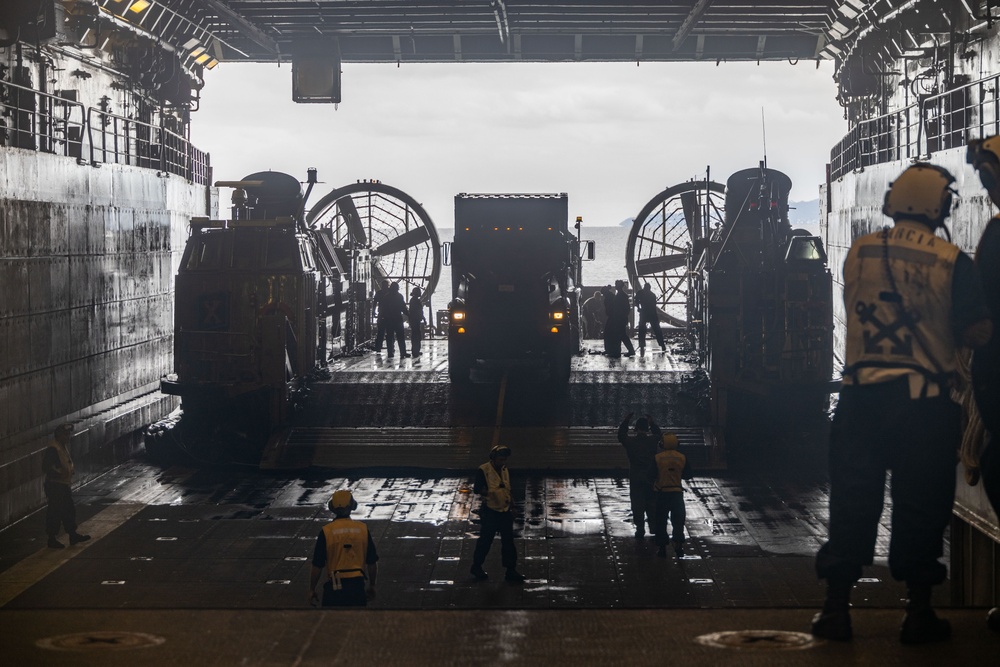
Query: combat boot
point(834, 621)
point(479, 573)
point(514, 577)
point(920, 624)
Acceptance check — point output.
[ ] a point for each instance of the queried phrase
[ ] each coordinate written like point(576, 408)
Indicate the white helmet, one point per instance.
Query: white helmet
point(923, 193)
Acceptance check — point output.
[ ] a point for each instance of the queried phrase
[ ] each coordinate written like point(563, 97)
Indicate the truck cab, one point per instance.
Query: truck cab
point(515, 283)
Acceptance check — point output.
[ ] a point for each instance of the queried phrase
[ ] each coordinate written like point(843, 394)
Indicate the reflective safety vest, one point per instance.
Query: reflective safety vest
point(890, 336)
point(498, 496)
point(65, 463)
point(346, 549)
point(669, 468)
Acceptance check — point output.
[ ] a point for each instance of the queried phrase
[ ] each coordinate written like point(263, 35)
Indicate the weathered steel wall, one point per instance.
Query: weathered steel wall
point(87, 263)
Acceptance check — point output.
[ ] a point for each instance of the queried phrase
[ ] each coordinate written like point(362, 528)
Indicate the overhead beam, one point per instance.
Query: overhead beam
point(243, 26)
point(690, 21)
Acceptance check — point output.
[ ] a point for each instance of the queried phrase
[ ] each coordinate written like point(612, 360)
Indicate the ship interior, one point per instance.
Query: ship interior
point(205, 456)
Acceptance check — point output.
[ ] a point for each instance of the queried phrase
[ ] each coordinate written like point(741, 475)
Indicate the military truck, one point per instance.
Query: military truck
point(516, 273)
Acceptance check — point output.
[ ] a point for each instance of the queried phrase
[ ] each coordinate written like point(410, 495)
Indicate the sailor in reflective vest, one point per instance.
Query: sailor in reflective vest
point(345, 551)
point(496, 515)
point(911, 299)
point(671, 468)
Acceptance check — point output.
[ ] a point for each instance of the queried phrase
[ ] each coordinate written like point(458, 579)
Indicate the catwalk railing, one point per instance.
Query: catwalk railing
point(34, 120)
point(934, 123)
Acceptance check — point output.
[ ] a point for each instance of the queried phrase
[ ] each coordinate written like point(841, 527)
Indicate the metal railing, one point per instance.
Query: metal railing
point(39, 121)
point(937, 122)
point(116, 139)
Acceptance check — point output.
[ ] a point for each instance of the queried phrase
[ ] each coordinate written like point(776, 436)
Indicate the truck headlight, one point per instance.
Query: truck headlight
point(458, 316)
point(558, 315)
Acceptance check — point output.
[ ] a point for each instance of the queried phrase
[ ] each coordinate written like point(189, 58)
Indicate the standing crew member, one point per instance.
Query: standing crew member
point(645, 300)
point(612, 344)
point(58, 468)
point(911, 299)
point(415, 315)
point(622, 308)
point(377, 300)
point(984, 155)
point(344, 549)
point(641, 451)
point(496, 515)
point(394, 306)
point(594, 315)
point(671, 468)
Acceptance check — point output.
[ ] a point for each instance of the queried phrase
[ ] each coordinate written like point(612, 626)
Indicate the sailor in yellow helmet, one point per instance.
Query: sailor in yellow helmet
point(346, 552)
point(496, 515)
point(671, 468)
point(911, 298)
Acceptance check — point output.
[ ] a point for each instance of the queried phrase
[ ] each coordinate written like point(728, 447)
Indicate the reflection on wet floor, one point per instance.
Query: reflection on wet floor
point(233, 538)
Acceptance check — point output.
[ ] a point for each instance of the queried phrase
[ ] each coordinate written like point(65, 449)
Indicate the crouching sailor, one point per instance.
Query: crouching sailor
point(345, 550)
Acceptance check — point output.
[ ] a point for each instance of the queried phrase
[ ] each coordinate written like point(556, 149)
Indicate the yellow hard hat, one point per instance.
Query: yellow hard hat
point(668, 441)
point(342, 499)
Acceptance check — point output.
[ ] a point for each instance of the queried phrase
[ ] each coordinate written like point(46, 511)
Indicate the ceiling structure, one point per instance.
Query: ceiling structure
point(512, 30)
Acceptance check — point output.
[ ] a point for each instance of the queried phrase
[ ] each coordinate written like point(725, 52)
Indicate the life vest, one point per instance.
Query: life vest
point(498, 495)
point(65, 463)
point(346, 549)
point(890, 336)
point(669, 468)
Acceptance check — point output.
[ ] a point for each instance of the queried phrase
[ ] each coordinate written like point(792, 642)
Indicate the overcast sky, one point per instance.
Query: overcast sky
point(611, 135)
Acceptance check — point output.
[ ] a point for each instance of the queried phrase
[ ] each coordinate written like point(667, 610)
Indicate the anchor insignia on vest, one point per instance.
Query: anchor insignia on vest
point(901, 346)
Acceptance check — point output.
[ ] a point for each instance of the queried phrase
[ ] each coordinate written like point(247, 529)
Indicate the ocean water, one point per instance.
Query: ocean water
point(607, 267)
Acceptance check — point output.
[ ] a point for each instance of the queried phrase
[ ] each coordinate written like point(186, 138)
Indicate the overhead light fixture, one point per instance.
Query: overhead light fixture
point(138, 6)
point(211, 63)
point(191, 43)
point(197, 51)
point(202, 58)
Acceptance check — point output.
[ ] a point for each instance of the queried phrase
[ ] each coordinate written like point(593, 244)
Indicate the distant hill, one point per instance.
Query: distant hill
point(804, 213)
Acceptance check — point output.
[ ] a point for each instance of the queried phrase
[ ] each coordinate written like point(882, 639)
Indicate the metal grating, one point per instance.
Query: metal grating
point(457, 30)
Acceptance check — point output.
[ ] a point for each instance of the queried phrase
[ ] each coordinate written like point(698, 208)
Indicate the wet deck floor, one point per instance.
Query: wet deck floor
point(235, 541)
point(231, 538)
